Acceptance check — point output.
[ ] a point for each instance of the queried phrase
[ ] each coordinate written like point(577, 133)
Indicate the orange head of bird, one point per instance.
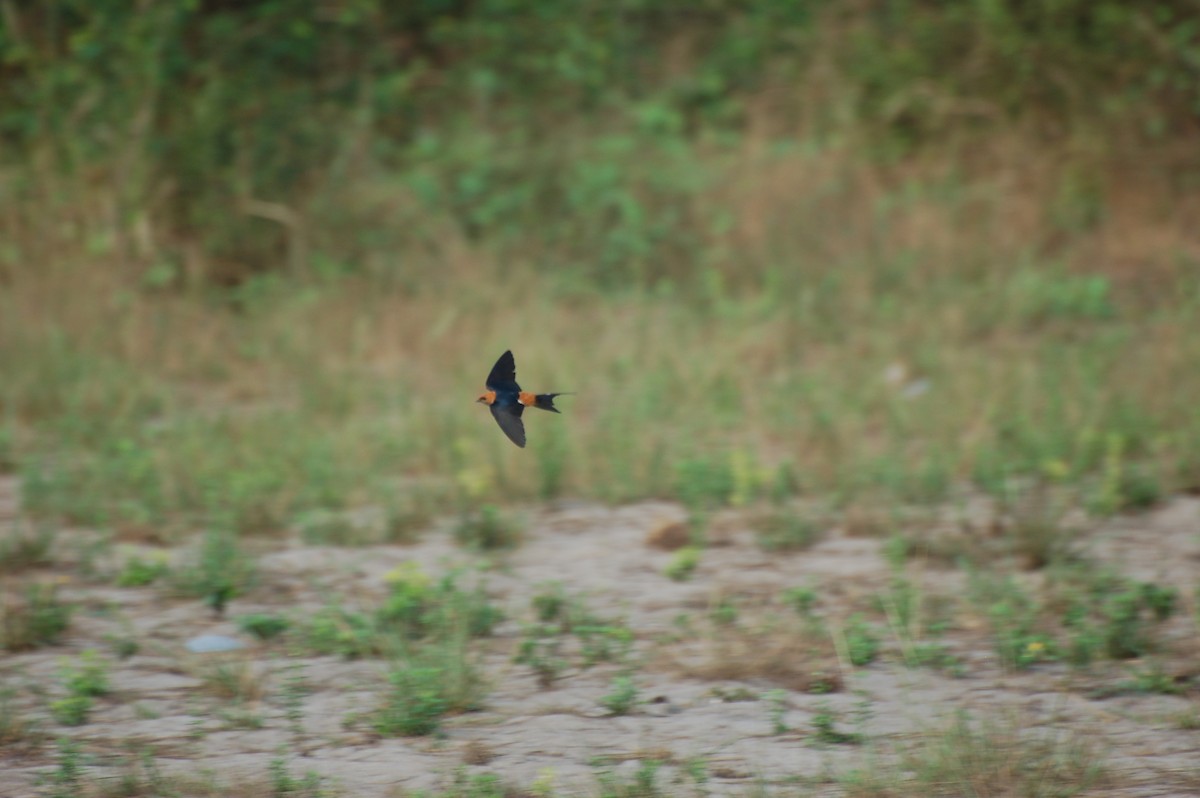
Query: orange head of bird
point(487, 397)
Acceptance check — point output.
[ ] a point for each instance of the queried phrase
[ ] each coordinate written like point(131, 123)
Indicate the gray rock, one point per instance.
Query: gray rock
point(208, 644)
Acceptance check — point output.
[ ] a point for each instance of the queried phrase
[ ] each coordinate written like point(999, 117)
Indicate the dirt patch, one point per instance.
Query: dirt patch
point(724, 672)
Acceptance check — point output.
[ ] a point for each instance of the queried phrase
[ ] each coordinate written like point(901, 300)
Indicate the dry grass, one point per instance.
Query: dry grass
point(242, 680)
point(787, 656)
point(830, 278)
point(996, 756)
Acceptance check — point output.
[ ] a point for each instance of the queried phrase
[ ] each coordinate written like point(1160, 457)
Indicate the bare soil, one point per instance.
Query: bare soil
point(705, 694)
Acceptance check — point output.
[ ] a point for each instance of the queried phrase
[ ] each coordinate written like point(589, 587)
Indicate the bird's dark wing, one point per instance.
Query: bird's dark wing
point(509, 419)
point(504, 374)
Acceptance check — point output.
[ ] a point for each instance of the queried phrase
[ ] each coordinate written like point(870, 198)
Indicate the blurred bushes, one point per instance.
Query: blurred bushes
point(239, 136)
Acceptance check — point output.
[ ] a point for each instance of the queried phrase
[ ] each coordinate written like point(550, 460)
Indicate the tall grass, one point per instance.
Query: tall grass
point(897, 349)
point(724, 273)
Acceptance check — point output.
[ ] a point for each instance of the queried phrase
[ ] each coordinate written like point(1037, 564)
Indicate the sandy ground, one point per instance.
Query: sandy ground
point(561, 735)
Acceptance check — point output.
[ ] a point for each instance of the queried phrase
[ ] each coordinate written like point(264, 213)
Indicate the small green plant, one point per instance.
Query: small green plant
point(1122, 485)
point(417, 608)
point(825, 727)
point(88, 677)
point(66, 780)
point(85, 680)
point(723, 612)
point(1188, 719)
point(220, 570)
point(123, 646)
point(1161, 601)
point(336, 630)
point(777, 707)
point(541, 650)
point(1038, 532)
point(264, 626)
point(239, 717)
point(901, 602)
point(283, 783)
point(428, 681)
point(683, 564)
point(487, 785)
point(1106, 615)
point(551, 604)
point(1153, 679)
point(935, 655)
point(696, 769)
point(557, 616)
point(1129, 618)
point(622, 697)
point(26, 546)
point(415, 703)
point(138, 774)
point(295, 688)
point(1125, 631)
point(72, 710)
point(1015, 618)
point(801, 599)
point(603, 642)
point(862, 645)
point(642, 784)
point(489, 529)
point(782, 529)
point(138, 572)
point(16, 730)
point(35, 618)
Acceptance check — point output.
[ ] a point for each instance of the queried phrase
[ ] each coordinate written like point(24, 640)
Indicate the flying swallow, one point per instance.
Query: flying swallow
point(507, 401)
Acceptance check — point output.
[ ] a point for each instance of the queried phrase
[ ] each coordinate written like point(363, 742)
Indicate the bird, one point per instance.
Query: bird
point(507, 401)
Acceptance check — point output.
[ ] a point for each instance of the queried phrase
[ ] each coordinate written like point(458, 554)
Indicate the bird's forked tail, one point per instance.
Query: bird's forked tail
point(545, 401)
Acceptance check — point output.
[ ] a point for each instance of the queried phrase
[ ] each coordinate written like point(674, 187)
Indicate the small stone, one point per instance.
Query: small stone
point(208, 644)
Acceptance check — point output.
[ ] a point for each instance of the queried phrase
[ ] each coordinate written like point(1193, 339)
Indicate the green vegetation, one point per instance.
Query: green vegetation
point(777, 707)
point(976, 756)
point(825, 727)
point(428, 682)
point(218, 571)
point(264, 626)
point(911, 270)
point(862, 644)
point(786, 530)
point(623, 696)
point(416, 608)
point(906, 280)
point(489, 528)
point(683, 564)
point(26, 546)
point(17, 730)
point(83, 681)
point(138, 572)
point(1082, 614)
point(34, 617)
point(66, 780)
point(642, 783)
point(566, 634)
